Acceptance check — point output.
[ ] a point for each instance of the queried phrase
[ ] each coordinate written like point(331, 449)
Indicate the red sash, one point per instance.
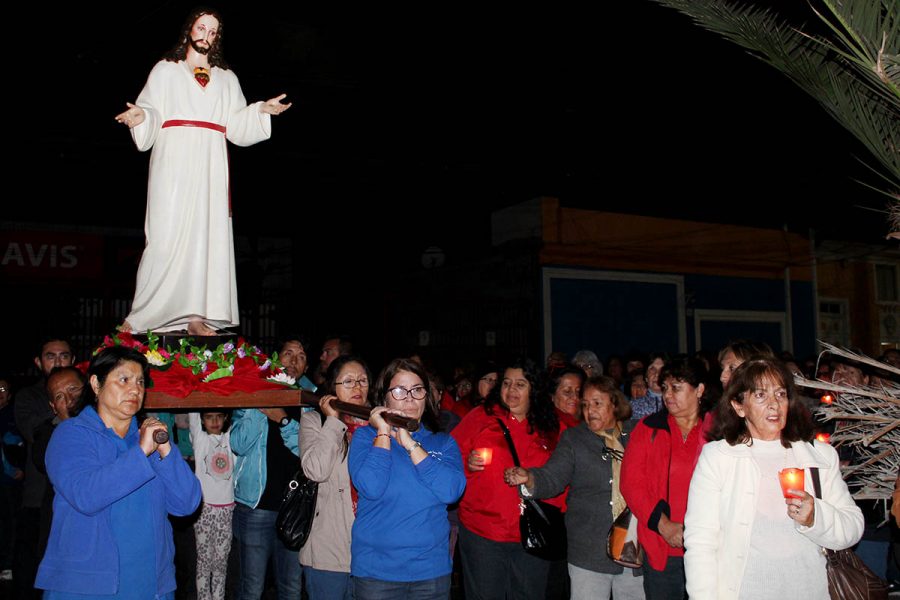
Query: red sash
point(187, 123)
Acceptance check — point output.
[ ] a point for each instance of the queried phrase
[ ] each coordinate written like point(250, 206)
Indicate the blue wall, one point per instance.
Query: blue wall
point(613, 317)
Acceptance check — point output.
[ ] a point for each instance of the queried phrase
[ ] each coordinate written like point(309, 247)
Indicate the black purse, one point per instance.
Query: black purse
point(298, 507)
point(848, 576)
point(542, 526)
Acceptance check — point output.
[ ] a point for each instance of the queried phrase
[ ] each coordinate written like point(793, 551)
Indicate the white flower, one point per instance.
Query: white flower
point(207, 353)
point(281, 378)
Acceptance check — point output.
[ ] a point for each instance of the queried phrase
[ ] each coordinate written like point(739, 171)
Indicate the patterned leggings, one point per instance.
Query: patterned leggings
point(213, 533)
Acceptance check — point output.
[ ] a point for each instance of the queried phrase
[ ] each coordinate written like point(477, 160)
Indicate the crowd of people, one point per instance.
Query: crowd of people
point(93, 497)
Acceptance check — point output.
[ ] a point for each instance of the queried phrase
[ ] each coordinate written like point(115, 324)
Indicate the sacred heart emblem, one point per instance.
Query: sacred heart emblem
point(202, 76)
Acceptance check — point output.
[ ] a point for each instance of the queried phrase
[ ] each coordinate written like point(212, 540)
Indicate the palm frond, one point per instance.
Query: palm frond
point(867, 418)
point(853, 72)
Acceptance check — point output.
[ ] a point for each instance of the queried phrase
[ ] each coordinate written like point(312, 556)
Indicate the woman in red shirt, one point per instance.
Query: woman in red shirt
point(493, 560)
point(657, 469)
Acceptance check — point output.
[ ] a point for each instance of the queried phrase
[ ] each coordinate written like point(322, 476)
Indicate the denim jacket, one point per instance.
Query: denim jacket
point(248, 442)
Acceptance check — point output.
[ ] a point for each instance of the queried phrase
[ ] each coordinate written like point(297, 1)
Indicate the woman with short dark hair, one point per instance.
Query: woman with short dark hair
point(588, 460)
point(405, 481)
point(656, 473)
point(325, 437)
point(115, 488)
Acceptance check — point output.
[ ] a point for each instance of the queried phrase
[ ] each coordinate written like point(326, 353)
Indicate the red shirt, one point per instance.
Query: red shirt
point(459, 408)
point(567, 419)
point(490, 507)
point(656, 476)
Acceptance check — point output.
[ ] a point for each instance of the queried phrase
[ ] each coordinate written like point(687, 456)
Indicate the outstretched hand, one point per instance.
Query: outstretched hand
point(274, 105)
point(132, 117)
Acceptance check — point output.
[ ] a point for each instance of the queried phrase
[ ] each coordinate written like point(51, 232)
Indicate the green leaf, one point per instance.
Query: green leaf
point(218, 374)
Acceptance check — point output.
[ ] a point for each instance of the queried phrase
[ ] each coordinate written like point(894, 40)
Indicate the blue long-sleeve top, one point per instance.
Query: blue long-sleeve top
point(401, 531)
point(93, 472)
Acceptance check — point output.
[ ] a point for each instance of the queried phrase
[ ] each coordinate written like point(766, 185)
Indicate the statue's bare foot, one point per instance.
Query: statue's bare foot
point(200, 328)
point(125, 327)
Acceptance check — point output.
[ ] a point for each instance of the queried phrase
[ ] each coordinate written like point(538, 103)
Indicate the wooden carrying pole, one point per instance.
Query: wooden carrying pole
point(265, 399)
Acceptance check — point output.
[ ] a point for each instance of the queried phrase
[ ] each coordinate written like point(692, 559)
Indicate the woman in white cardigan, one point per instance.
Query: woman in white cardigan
point(743, 539)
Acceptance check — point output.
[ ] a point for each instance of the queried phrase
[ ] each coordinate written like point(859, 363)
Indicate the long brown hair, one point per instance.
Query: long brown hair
point(746, 378)
point(216, 56)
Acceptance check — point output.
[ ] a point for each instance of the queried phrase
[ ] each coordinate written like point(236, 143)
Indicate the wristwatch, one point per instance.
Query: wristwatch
point(284, 421)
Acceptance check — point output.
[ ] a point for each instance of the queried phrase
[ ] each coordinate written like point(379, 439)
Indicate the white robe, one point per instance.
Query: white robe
point(187, 269)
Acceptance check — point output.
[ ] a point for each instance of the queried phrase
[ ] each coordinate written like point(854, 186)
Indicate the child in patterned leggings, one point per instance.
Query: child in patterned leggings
point(213, 465)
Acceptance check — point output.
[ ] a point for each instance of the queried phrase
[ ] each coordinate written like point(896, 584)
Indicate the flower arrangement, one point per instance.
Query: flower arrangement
point(202, 363)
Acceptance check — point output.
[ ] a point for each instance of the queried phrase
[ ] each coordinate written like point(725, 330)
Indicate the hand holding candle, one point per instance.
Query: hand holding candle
point(486, 455)
point(791, 479)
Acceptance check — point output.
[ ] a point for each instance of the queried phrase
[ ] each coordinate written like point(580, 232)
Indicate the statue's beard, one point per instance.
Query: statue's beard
point(200, 49)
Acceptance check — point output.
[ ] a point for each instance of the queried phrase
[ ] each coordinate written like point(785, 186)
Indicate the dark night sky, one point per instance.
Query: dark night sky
point(448, 110)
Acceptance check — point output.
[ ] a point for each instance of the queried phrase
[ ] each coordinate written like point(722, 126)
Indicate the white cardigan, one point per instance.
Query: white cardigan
point(722, 506)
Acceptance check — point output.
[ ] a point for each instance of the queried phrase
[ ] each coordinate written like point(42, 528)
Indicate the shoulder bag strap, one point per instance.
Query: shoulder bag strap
point(817, 486)
point(814, 473)
point(512, 448)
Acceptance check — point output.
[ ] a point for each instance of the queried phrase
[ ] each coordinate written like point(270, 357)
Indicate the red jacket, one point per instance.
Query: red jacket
point(645, 482)
point(489, 507)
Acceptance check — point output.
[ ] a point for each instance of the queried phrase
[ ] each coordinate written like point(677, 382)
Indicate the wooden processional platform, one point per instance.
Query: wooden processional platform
point(157, 400)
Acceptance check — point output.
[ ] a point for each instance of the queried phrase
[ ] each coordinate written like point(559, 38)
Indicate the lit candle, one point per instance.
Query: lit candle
point(827, 399)
point(823, 437)
point(486, 455)
point(790, 479)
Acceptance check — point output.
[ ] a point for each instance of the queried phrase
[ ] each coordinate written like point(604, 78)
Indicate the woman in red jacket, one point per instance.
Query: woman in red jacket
point(493, 560)
point(657, 469)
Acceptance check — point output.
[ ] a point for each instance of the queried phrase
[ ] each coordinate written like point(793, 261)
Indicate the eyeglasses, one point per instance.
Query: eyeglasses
point(490, 380)
point(349, 384)
point(3, 389)
point(400, 393)
point(519, 384)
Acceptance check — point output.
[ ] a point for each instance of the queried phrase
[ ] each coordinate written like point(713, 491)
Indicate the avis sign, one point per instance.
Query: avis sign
point(49, 254)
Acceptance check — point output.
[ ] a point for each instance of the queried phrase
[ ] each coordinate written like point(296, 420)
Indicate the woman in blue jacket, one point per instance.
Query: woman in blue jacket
point(115, 487)
point(401, 536)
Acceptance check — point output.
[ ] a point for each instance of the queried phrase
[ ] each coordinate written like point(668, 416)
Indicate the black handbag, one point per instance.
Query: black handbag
point(542, 526)
point(298, 507)
point(848, 577)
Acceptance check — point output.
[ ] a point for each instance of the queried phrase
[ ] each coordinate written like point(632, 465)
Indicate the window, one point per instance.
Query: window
point(886, 283)
point(834, 321)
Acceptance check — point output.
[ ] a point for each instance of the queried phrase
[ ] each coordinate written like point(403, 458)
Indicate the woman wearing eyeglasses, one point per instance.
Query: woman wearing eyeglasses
point(494, 562)
point(401, 536)
point(324, 444)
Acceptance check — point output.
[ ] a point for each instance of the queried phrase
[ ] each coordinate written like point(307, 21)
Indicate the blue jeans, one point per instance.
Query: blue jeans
point(377, 589)
point(327, 585)
point(254, 530)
